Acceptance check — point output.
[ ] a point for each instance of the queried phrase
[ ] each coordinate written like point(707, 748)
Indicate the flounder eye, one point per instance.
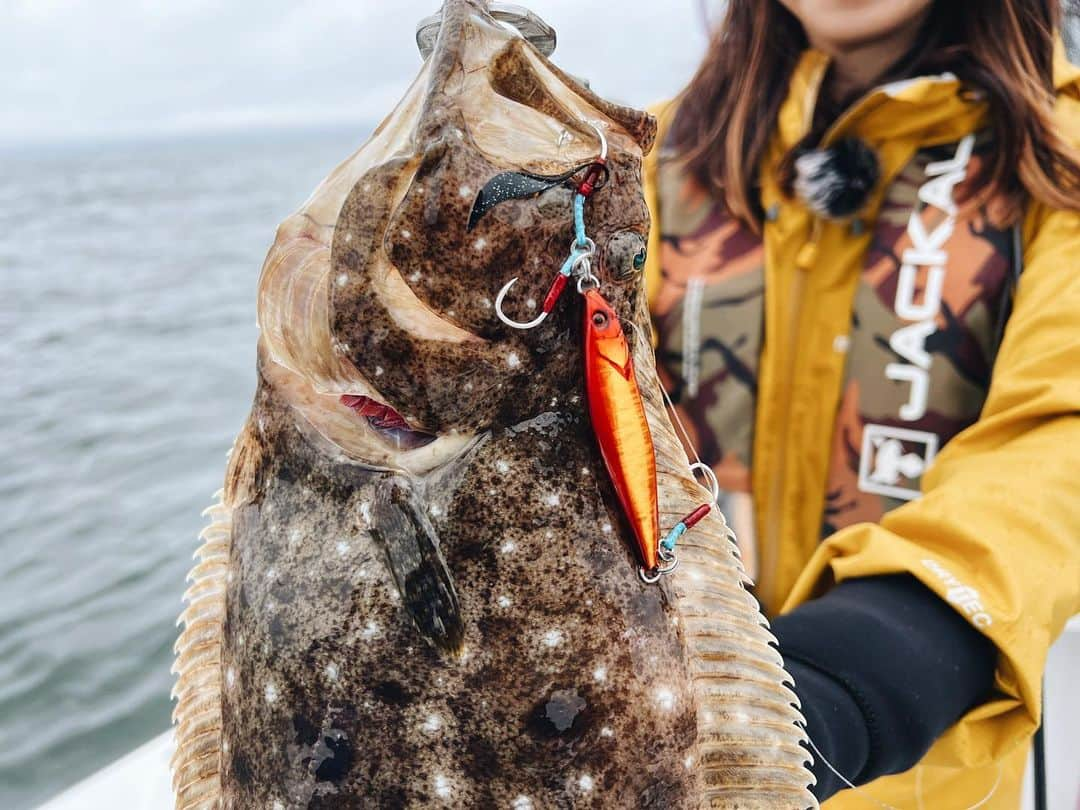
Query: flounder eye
point(624, 254)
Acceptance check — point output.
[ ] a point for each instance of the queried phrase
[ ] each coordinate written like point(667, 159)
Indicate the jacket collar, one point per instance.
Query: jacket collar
point(928, 109)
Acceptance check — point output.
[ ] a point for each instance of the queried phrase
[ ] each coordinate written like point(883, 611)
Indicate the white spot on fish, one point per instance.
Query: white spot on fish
point(480, 244)
point(468, 386)
point(378, 371)
point(365, 512)
point(405, 233)
point(585, 782)
point(435, 510)
point(367, 187)
point(584, 471)
point(465, 191)
point(502, 466)
point(277, 805)
point(607, 732)
point(225, 746)
point(665, 698)
point(331, 672)
point(513, 360)
point(552, 499)
point(606, 528)
point(688, 763)
point(342, 548)
point(599, 674)
point(230, 677)
point(522, 803)
point(270, 693)
point(348, 237)
point(433, 724)
point(553, 638)
point(530, 303)
point(485, 302)
point(509, 547)
point(371, 630)
point(503, 601)
point(415, 276)
point(442, 786)
point(342, 279)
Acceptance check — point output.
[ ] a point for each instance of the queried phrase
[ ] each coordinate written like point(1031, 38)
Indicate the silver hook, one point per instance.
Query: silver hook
point(710, 476)
point(539, 319)
point(603, 140)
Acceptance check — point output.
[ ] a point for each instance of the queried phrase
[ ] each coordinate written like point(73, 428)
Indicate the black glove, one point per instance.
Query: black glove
point(882, 667)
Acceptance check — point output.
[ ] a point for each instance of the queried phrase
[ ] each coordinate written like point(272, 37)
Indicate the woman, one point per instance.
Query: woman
point(864, 282)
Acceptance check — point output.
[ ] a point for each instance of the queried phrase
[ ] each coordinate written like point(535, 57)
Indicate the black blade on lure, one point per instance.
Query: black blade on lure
point(514, 186)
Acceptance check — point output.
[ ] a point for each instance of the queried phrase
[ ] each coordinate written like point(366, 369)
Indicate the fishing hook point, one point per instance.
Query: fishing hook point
point(603, 139)
point(539, 319)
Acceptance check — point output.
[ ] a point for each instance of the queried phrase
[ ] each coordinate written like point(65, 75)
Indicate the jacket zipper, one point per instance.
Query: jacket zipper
point(805, 259)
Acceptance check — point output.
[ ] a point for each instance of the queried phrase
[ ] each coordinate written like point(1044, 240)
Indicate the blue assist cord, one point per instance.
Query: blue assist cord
point(579, 221)
point(672, 537)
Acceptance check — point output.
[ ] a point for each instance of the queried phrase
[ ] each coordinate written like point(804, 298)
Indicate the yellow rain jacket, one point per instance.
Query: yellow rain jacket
point(837, 374)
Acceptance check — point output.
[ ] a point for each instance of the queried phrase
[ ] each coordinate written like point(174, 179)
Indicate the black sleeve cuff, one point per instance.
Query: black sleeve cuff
point(882, 666)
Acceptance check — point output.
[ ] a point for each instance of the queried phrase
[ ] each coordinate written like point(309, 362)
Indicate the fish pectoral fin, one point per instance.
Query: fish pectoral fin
point(400, 524)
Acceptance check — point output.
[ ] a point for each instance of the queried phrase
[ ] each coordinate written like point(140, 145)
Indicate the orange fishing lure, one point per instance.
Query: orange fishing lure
point(618, 418)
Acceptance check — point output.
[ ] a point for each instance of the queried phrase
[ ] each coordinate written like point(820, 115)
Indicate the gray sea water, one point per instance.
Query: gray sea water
point(127, 315)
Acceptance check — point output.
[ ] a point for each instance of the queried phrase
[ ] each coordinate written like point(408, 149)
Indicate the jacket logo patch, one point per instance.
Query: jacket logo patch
point(926, 253)
point(893, 460)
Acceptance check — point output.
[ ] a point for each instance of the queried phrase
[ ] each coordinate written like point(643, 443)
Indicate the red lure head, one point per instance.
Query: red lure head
point(601, 322)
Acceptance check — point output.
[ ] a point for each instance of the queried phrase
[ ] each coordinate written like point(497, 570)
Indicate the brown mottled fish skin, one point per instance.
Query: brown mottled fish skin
point(462, 624)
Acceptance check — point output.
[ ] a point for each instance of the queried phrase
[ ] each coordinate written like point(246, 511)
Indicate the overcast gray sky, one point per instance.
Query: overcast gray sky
point(76, 68)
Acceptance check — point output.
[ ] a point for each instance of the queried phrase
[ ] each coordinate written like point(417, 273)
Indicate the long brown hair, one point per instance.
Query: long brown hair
point(1002, 49)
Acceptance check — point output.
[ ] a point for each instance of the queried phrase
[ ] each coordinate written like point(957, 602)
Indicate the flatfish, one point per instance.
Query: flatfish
point(417, 587)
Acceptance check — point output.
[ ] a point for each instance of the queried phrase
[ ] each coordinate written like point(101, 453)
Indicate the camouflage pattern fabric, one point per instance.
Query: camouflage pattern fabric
point(709, 318)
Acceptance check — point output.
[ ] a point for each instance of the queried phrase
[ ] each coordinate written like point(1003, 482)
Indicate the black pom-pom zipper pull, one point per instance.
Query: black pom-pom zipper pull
point(836, 182)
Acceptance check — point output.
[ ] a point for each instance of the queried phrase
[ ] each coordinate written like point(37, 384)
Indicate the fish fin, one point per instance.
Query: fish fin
point(196, 763)
point(741, 690)
point(400, 524)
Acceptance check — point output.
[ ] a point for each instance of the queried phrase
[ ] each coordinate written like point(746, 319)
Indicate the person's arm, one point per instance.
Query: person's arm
point(882, 666)
point(996, 534)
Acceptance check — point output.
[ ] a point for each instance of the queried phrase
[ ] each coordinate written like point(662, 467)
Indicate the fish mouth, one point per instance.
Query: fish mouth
point(386, 421)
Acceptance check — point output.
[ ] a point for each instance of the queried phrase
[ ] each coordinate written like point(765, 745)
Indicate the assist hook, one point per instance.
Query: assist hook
point(578, 263)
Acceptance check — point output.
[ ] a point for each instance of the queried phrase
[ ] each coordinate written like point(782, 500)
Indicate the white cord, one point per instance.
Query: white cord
point(918, 793)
